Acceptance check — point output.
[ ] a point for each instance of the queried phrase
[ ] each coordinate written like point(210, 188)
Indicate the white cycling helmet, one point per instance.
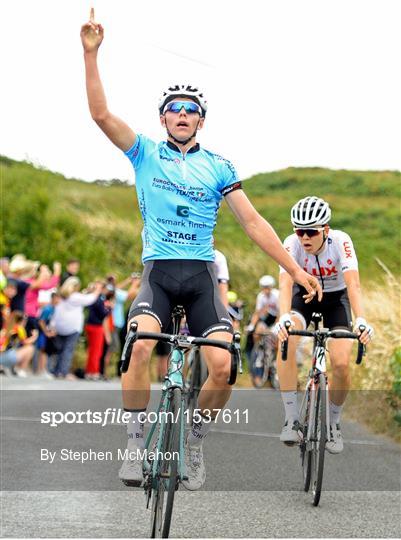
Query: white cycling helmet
point(183, 90)
point(267, 281)
point(310, 212)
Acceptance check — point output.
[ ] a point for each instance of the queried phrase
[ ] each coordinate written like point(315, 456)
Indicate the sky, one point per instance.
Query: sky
point(289, 82)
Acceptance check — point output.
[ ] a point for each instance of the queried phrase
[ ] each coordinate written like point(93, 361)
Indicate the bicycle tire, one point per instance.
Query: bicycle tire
point(320, 435)
point(174, 449)
point(258, 350)
point(273, 375)
point(306, 457)
point(162, 513)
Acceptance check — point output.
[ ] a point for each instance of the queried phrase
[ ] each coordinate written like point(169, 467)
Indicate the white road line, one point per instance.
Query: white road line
point(276, 436)
point(215, 430)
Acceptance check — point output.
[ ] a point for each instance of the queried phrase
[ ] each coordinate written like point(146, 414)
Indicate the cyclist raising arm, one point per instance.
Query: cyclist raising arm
point(116, 130)
point(328, 254)
point(179, 187)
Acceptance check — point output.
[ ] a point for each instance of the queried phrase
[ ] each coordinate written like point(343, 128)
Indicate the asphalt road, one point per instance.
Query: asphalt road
point(253, 486)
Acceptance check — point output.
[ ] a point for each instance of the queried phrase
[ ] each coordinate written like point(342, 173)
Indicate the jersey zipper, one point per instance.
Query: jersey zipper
point(184, 167)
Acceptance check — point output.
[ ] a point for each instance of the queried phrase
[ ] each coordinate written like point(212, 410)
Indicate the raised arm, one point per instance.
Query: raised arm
point(263, 234)
point(116, 130)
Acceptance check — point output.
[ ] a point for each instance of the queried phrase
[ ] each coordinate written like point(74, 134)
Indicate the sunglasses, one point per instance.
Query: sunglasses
point(176, 106)
point(309, 232)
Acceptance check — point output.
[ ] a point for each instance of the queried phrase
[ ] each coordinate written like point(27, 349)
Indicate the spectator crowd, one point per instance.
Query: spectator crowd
point(43, 313)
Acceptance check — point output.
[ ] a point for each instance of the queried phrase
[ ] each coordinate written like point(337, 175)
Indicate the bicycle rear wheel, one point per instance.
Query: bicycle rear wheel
point(319, 440)
point(166, 482)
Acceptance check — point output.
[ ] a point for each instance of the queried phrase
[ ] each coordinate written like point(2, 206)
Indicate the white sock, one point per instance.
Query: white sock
point(290, 405)
point(335, 413)
point(199, 431)
point(135, 429)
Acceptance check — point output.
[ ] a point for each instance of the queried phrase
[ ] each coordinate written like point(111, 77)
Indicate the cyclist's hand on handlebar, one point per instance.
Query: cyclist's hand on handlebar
point(91, 33)
point(280, 328)
point(310, 283)
point(364, 330)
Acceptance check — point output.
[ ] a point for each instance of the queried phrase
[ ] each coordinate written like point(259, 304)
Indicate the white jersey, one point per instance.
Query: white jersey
point(268, 302)
point(338, 256)
point(221, 267)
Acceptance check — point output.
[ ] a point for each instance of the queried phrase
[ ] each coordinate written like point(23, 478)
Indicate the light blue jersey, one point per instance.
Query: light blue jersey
point(179, 197)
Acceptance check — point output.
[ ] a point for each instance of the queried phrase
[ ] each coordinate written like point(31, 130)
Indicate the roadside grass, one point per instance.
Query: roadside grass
point(375, 398)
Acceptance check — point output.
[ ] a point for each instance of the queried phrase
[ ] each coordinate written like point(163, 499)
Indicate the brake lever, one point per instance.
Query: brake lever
point(284, 344)
point(361, 346)
point(236, 359)
point(237, 347)
point(129, 343)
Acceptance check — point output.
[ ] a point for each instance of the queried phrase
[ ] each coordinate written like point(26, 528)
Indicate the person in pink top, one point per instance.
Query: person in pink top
point(42, 279)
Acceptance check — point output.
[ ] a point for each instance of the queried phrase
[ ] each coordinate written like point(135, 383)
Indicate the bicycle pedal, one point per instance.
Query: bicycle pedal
point(133, 483)
point(291, 443)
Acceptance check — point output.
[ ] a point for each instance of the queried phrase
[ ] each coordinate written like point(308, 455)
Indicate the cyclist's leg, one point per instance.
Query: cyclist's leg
point(301, 317)
point(136, 381)
point(340, 355)
point(338, 315)
point(287, 370)
point(216, 391)
point(151, 310)
point(206, 317)
point(136, 393)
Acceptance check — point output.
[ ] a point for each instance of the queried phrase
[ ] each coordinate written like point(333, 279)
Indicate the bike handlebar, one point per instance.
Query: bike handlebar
point(184, 342)
point(337, 334)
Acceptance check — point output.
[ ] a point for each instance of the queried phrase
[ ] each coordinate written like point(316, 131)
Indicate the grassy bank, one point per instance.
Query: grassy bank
point(48, 217)
point(376, 383)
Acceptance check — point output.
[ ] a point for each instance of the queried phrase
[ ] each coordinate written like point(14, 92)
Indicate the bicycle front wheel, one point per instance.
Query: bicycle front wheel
point(166, 482)
point(319, 442)
point(305, 444)
point(260, 366)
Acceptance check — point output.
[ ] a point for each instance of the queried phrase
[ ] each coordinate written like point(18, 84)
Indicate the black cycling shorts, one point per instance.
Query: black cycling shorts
point(190, 283)
point(334, 307)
